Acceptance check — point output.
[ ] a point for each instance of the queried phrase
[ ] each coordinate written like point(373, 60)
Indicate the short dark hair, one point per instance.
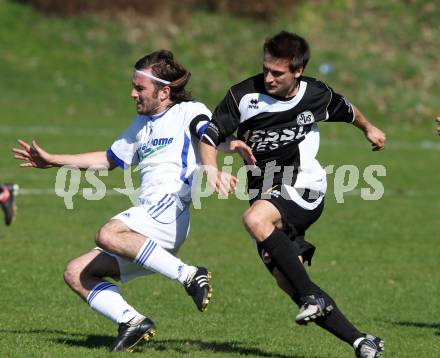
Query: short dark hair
point(164, 66)
point(289, 45)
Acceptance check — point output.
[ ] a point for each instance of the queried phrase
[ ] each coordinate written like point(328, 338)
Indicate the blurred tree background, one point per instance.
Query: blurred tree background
point(260, 9)
point(382, 55)
point(68, 64)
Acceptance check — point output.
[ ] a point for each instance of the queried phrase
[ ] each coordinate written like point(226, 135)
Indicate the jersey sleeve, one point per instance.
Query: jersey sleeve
point(198, 119)
point(227, 115)
point(225, 121)
point(123, 151)
point(339, 109)
point(198, 127)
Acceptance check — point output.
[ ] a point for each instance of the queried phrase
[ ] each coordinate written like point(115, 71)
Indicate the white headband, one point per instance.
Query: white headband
point(149, 75)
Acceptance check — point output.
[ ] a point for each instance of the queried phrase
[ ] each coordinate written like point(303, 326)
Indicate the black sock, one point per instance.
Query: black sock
point(284, 254)
point(334, 322)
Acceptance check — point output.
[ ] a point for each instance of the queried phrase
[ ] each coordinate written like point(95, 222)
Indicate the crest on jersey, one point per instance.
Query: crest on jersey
point(304, 118)
point(253, 103)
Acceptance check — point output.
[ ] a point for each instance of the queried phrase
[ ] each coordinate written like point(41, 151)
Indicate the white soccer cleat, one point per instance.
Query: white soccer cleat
point(313, 308)
point(369, 347)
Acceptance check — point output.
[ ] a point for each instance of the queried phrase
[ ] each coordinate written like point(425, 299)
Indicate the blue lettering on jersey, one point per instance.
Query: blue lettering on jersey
point(155, 145)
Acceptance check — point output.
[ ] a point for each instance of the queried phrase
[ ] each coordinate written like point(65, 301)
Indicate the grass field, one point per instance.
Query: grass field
point(66, 83)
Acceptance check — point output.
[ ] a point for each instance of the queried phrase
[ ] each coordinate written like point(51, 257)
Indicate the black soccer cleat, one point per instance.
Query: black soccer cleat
point(9, 208)
point(313, 308)
point(199, 288)
point(370, 347)
point(131, 334)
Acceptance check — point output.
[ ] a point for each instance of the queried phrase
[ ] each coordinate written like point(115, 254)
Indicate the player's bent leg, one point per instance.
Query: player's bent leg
point(278, 245)
point(84, 272)
point(335, 322)
point(284, 252)
point(261, 219)
point(314, 308)
point(118, 237)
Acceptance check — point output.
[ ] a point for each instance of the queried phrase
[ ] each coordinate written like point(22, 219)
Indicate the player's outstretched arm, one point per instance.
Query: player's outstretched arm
point(376, 137)
point(33, 156)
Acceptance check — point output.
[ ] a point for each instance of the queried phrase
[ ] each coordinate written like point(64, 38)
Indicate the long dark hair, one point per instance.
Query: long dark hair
point(164, 66)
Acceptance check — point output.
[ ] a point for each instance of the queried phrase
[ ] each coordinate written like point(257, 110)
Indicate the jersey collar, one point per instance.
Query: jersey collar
point(159, 115)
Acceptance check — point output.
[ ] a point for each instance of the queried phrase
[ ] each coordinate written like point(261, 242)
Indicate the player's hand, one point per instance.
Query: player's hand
point(438, 124)
point(223, 183)
point(240, 147)
point(32, 155)
point(376, 137)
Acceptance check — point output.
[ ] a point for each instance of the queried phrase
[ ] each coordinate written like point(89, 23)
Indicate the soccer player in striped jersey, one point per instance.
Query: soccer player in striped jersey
point(145, 238)
point(276, 114)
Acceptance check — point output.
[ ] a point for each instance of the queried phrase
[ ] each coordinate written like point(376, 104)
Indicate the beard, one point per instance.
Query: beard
point(148, 106)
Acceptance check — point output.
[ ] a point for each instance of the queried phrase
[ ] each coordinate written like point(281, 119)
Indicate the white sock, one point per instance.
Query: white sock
point(153, 257)
point(106, 299)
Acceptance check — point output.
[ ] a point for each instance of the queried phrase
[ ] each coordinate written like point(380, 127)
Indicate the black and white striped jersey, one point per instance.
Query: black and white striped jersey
point(282, 133)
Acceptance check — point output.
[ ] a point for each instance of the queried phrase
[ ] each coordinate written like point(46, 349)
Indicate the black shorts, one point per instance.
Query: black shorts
point(296, 220)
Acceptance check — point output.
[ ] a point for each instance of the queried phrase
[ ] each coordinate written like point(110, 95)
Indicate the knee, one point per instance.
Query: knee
point(72, 275)
point(104, 238)
point(249, 221)
point(256, 224)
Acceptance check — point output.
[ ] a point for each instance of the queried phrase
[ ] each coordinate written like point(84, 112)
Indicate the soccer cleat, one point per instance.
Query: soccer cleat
point(132, 333)
point(199, 288)
point(313, 308)
point(370, 347)
point(8, 205)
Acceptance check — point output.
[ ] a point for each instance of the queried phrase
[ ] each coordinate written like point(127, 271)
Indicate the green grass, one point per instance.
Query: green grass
point(67, 81)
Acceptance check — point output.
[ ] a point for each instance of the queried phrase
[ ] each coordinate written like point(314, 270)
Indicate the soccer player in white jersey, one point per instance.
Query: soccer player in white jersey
point(144, 238)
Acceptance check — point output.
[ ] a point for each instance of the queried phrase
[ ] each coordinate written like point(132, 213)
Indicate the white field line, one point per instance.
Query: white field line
point(112, 192)
point(50, 130)
point(107, 132)
point(391, 145)
point(41, 192)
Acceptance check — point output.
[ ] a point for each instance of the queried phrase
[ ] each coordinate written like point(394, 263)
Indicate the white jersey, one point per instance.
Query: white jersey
point(162, 149)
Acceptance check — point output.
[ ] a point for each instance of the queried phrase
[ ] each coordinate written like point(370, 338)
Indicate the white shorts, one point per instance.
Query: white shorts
point(167, 227)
